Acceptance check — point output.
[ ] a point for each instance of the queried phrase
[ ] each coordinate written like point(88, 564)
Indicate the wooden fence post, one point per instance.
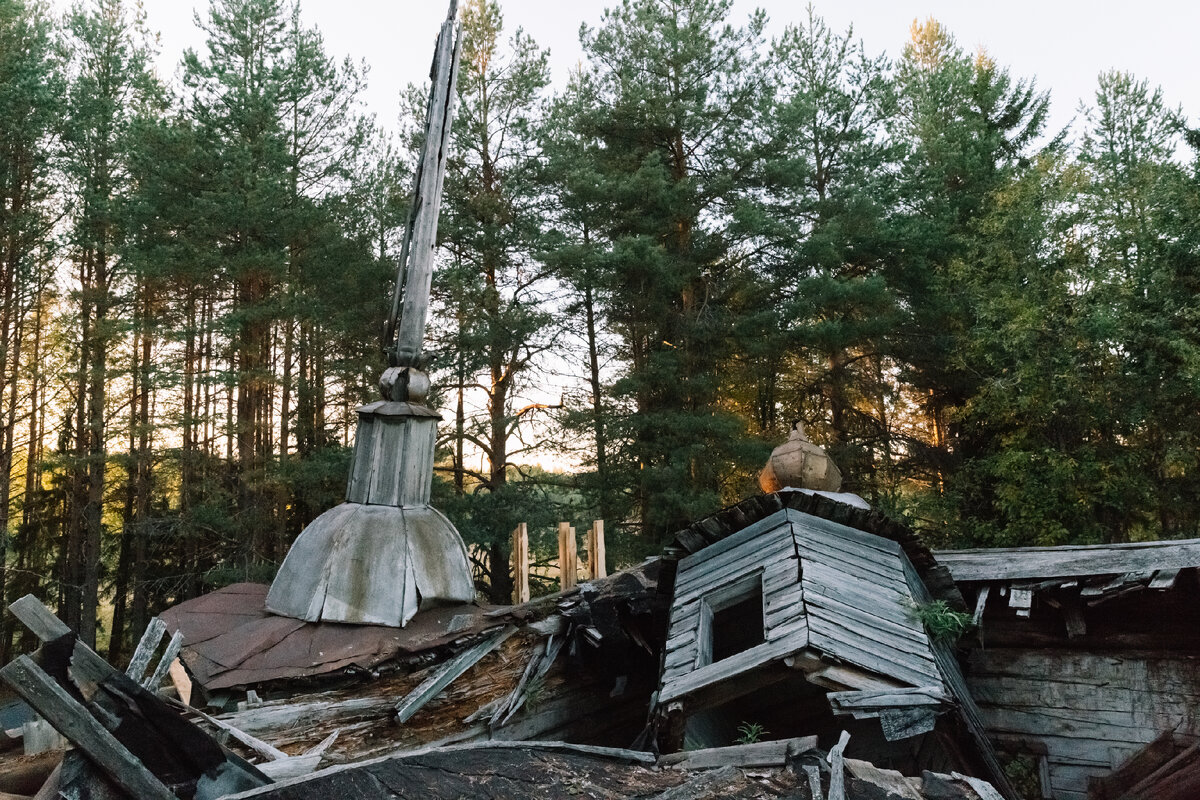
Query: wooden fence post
point(520, 559)
point(568, 556)
point(595, 550)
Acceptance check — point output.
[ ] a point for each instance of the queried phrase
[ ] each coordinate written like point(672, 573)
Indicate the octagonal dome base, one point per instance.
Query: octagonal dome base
point(374, 565)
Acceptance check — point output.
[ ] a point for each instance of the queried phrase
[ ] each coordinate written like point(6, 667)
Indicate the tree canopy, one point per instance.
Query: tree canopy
point(647, 270)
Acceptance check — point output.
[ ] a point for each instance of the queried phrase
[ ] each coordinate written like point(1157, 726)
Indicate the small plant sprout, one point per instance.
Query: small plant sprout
point(750, 732)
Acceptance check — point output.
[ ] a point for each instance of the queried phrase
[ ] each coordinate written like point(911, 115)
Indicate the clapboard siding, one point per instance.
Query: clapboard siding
point(768, 550)
point(1088, 710)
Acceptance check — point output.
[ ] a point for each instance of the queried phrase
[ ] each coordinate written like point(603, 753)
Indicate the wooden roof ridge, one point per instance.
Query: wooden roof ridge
point(1009, 563)
point(720, 524)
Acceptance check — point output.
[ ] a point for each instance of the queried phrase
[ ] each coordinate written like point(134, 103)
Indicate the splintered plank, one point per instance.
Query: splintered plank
point(164, 663)
point(145, 649)
point(73, 721)
point(443, 677)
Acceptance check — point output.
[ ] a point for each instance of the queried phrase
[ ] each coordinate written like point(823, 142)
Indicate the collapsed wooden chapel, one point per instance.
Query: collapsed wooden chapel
point(776, 648)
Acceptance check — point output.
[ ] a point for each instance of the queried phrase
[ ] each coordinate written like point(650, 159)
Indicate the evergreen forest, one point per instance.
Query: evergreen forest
point(648, 270)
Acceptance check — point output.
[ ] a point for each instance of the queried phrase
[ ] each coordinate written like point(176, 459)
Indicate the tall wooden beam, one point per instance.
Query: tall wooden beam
point(595, 550)
point(520, 562)
point(568, 556)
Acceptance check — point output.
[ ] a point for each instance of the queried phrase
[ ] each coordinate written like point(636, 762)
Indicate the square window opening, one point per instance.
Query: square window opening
point(737, 620)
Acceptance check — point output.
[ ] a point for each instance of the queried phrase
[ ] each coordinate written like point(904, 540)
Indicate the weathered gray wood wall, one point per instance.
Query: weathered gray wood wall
point(765, 548)
point(1089, 711)
point(826, 587)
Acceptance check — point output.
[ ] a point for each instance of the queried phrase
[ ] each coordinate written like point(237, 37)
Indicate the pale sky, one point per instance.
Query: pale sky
point(1065, 44)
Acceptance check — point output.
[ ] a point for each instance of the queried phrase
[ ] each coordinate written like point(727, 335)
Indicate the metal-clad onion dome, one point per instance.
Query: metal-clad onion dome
point(800, 464)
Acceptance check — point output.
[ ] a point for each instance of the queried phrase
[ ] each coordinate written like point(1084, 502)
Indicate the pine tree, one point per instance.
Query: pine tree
point(109, 84)
point(972, 128)
point(823, 227)
point(492, 287)
point(678, 96)
point(1140, 283)
point(31, 89)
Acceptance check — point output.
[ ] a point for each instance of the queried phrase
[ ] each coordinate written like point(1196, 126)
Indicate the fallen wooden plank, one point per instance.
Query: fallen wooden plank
point(49, 790)
point(1137, 767)
point(891, 781)
point(38, 618)
point(553, 646)
point(27, 775)
point(257, 745)
point(982, 788)
point(758, 754)
point(875, 700)
point(813, 772)
point(508, 705)
point(73, 720)
point(837, 676)
point(145, 649)
point(320, 747)
point(181, 681)
point(164, 664)
point(290, 767)
point(443, 676)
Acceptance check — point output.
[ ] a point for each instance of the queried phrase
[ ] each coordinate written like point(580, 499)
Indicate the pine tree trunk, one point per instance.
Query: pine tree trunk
point(97, 456)
point(599, 432)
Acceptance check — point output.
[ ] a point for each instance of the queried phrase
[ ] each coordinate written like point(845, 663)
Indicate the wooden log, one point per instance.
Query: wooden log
point(568, 556)
point(446, 673)
point(595, 548)
point(145, 649)
point(520, 559)
point(73, 720)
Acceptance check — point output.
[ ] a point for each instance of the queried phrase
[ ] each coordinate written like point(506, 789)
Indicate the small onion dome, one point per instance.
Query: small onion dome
point(800, 464)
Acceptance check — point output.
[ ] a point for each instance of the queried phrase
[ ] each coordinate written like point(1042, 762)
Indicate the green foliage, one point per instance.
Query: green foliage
point(644, 278)
point(943, 623)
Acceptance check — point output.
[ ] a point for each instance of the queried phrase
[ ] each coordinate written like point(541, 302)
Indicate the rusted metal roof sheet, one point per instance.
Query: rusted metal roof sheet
point(230, 639)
